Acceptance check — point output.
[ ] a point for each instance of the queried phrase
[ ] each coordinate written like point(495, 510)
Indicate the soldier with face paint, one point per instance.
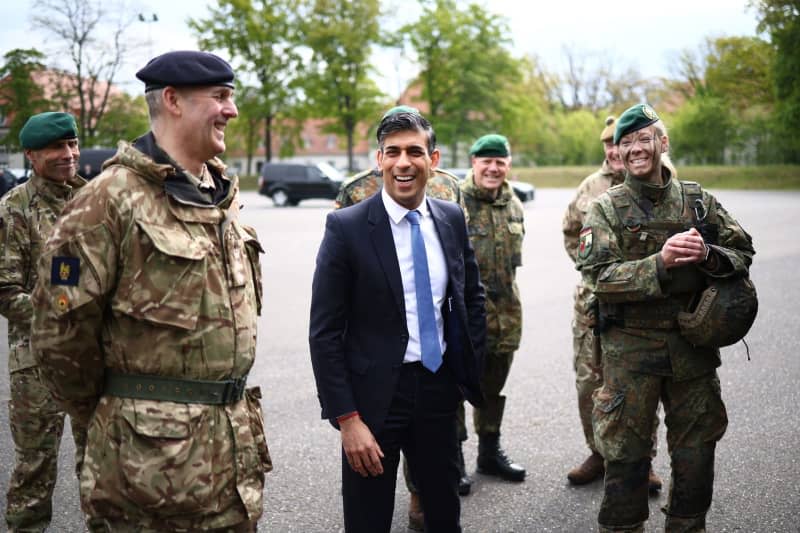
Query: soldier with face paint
point(642, 256)
point(586, 362)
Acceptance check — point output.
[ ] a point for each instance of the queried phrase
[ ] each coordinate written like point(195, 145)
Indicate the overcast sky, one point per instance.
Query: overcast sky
point(643, 35)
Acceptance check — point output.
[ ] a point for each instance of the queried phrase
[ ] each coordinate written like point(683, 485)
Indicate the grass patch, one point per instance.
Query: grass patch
point(781, 177)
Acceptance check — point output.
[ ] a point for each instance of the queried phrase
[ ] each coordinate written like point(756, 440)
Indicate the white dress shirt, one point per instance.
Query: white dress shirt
point(437, 268)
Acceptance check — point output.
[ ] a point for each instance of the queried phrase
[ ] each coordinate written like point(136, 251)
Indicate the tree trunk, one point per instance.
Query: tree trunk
point(268, 138)
point(350, 166)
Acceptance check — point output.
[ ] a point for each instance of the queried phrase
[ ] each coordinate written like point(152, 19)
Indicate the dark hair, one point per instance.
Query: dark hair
point(405, 122)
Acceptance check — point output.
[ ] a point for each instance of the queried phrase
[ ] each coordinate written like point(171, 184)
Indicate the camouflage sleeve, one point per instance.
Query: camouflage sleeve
point(15, 302)
point(571, 226)
point(735, 246)
point(604, 269)
point(76, 273)
point(343, 198)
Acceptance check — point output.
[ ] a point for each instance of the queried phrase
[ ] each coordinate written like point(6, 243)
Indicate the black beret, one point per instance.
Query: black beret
point(633, 119)
point(44, 128)
point(492, 145)
point(186, 68)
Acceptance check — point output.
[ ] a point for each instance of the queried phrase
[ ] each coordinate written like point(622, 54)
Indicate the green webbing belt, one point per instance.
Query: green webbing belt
point(174, 389)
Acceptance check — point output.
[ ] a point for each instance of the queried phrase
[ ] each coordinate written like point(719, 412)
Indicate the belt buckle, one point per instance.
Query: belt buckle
point(234, 390)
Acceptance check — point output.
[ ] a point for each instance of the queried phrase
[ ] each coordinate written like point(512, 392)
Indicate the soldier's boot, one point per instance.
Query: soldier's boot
point(654, 483)
point(625, 507)
point(416, 517)
point(691, 489)
point(493, 461)
point(591, 469)
point(464, 481)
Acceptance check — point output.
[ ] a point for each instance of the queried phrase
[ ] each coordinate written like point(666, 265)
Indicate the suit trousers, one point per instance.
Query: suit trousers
point(422, 423)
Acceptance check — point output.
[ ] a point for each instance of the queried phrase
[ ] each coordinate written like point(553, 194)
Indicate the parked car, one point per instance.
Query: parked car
point(524, 191)
point(91, 161)
point(22, 174)
point(289, 183)
point(7, 181)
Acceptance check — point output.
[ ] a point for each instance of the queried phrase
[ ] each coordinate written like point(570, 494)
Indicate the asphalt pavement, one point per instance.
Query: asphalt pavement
point(757, 485)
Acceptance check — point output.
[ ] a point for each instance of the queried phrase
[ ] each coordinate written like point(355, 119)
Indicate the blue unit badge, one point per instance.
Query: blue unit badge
point(65, 271)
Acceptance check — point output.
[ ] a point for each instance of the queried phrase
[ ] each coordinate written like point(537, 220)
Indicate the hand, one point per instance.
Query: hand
point(684, 248)
point(360, 447)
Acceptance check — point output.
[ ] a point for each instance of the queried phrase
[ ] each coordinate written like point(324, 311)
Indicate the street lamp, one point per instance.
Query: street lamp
point(149, 20)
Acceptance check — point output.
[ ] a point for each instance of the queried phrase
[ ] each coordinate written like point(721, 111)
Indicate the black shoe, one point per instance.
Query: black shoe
point(464, 481)
point(493, 461)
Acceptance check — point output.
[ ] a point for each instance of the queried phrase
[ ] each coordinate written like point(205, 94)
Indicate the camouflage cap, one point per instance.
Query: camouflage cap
point(633, 119)
point(607, 135)
point(401, 109)
point(492, 145)
point(44, 128)
point(186, 68)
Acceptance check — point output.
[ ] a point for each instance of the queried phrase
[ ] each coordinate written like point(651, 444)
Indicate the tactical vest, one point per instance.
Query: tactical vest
point(641, 236)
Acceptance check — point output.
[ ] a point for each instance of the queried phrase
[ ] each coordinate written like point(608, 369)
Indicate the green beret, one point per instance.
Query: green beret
point(492, 145)
point(633, 119)
point(44, 128)
point(186, 68)
point(400, 109)
point(608, 132)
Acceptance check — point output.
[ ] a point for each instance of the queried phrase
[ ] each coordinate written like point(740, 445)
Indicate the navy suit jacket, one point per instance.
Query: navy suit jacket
point(358, 331)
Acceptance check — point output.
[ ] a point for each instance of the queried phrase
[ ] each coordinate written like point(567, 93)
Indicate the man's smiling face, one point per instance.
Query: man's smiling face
point(406, 165)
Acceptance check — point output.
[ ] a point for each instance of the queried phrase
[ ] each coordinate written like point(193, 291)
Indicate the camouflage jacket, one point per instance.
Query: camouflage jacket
point(27, 215)
point(618, 255)
point(590, 188)
point(496, 229)
point(141, 276)
point(442, 185)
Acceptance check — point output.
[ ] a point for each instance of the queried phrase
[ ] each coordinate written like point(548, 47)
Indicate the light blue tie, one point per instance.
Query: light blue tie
point(428, 334)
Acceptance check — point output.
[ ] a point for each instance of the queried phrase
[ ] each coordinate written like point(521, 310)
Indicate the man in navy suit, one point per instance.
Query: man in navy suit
point(397, 334)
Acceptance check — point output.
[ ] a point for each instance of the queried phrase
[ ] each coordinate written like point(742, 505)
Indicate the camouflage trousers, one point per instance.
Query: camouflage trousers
point(695, 416)
point(488, 418)
point(37, 424)
point(126, 527)
point(588, 378)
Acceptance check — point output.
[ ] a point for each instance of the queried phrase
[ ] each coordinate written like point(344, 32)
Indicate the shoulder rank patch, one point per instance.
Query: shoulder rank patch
point(585, 243)
point(65, 271)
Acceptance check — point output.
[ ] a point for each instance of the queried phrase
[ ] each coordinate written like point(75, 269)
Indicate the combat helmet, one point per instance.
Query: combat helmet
point(722, 314)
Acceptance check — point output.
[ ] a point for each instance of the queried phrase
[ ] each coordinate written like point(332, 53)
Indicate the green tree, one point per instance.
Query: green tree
point(701, 130)
point(261, 37)
point(341, 36)
point(20, 96)
point(466, 69)
point(781, 20)
point(126, 118)
point(738, 70)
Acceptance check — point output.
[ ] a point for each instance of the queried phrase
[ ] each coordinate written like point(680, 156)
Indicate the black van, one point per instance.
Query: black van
point(91, 161)
point(288, 183)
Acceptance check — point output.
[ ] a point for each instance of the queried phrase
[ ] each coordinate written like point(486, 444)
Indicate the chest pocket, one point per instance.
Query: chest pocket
point(166, 277)
point(516, 231)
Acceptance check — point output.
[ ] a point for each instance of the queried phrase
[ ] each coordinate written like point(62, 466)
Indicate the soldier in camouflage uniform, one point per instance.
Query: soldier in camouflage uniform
point(443, 186)
point(27, 214)
point(642, 256)
point(145, 318)
point(496, 229)
point(588, 374)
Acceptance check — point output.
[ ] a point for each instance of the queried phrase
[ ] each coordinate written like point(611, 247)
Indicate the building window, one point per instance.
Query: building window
point(331, 142)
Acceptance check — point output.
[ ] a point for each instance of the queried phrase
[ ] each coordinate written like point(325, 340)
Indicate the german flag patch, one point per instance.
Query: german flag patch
point(585, 242)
